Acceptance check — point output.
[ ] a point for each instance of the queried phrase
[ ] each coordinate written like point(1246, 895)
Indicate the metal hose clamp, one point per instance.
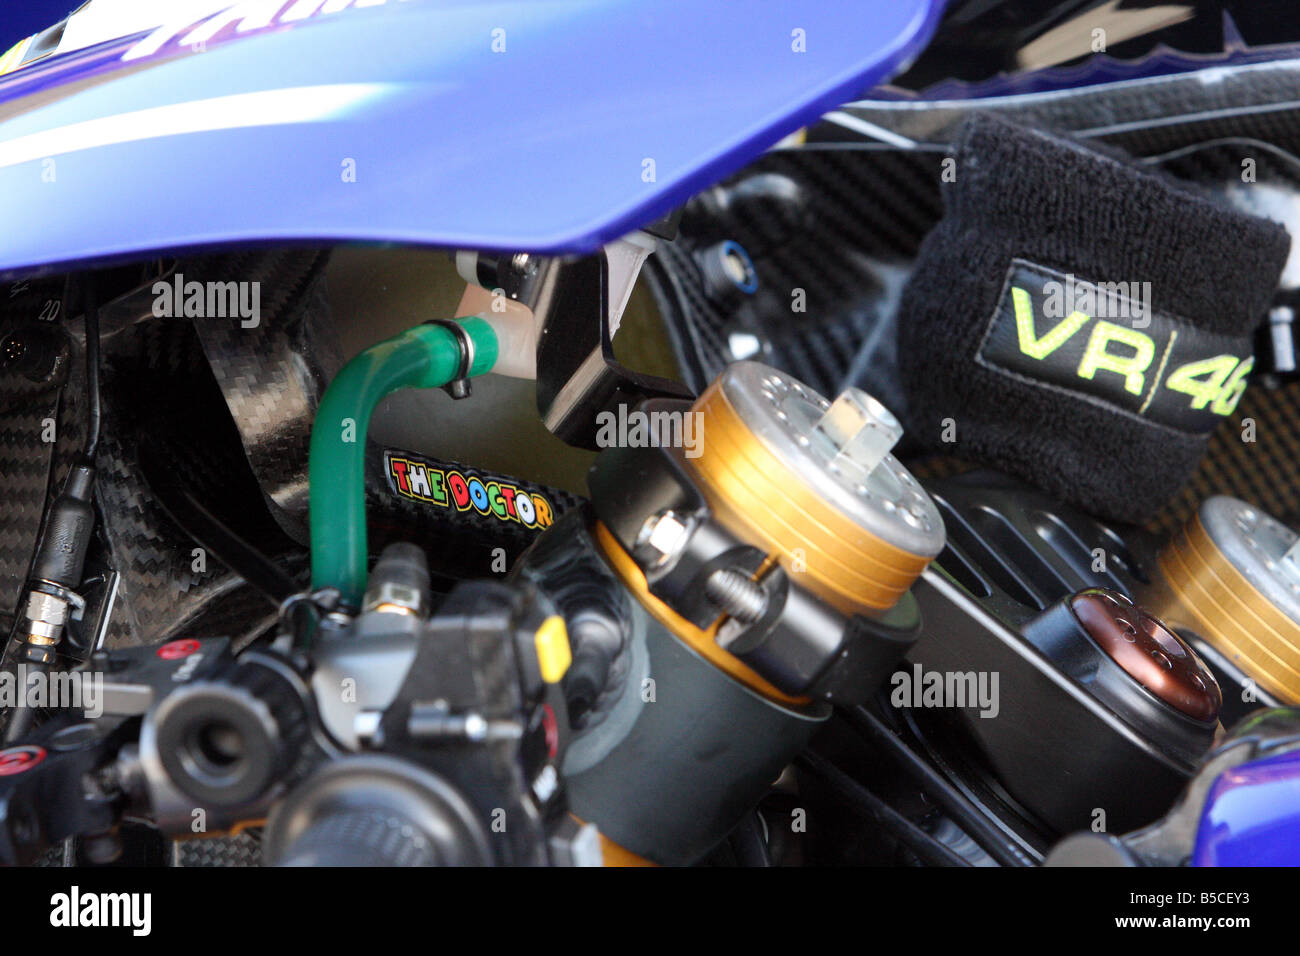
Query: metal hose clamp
point(458, 387)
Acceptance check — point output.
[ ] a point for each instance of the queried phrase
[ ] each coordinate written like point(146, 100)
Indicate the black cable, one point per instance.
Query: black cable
point(964, 814)
point(90, 320)
point(21, 718)
point(67, 528)
point(917, 840)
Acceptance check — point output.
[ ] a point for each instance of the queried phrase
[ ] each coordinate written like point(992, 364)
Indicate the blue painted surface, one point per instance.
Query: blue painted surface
point(542, 147)
point(22, 18)
point(1252, 815)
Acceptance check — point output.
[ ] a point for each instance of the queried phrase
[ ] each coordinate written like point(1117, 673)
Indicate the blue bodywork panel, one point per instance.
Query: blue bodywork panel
point(548, 125)
point(1252, 815)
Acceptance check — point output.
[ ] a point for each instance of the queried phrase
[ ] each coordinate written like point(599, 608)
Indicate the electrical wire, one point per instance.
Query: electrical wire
point(90, 324)
point(925, 846)
point(966, 816)
point(80, 482)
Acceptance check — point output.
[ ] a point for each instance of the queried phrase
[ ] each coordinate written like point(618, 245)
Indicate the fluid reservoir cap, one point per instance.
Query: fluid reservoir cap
point(1149, 652)
point(1264, 550)
point(841, 450)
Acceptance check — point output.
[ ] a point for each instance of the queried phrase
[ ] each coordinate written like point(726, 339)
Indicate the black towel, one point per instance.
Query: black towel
point(1080, 320)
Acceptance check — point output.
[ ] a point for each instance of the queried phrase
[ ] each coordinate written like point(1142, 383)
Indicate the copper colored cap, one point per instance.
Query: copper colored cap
point(1149, 652)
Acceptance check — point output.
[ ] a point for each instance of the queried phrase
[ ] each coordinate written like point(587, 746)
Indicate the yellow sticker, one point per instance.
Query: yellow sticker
point(553, 653)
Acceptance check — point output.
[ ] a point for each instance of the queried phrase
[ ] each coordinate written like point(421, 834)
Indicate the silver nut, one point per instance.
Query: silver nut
point(860, 429)
point(662, 538)
point(47, 609)
point(390, 597)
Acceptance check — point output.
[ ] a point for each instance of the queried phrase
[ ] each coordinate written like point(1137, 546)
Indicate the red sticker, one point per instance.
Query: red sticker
point(18, 759)
point(551, 728)
point(175, 650)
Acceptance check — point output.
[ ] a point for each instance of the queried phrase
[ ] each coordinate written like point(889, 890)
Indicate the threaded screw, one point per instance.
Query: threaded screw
point(736, 594)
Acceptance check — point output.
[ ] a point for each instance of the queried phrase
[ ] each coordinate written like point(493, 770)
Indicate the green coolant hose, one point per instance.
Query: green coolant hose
point(427, 356)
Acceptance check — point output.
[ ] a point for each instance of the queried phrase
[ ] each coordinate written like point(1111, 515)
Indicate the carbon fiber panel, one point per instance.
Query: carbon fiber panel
point(244, 849)
point(157, 388)
point(827, 285)
point(1265, 472)
point(1153, 112)
point(272, 375)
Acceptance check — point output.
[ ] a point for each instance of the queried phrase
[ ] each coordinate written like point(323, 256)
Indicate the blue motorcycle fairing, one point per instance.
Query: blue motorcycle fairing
point(1252, 815)
point(549, 126)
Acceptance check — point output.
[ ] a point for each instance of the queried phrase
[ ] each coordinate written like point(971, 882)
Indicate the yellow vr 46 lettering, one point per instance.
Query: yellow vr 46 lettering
point(1221, 387)
point(1097, 357)
point(1030, 343)
point(1215, 383)
point(1106, 341)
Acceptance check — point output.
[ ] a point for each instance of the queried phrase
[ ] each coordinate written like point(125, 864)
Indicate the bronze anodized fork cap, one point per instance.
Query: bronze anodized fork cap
point(1149, 652)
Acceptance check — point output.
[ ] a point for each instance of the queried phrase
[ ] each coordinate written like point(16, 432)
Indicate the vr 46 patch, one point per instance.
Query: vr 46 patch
point(1106, 342)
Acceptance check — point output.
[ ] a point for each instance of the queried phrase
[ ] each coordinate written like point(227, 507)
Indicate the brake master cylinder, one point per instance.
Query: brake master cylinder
point(1232, 577)
point(721, 593)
